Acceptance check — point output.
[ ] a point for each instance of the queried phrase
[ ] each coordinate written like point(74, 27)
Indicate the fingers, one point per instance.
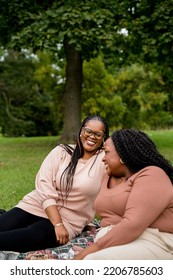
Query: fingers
point(62, 240)
point(62, 234)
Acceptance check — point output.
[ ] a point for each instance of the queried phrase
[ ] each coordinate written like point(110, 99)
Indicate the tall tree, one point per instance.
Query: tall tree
point(78, 28)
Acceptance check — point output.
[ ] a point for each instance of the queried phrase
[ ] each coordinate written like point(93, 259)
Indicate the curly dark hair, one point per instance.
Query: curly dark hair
point(137, 151)
point(77, 152)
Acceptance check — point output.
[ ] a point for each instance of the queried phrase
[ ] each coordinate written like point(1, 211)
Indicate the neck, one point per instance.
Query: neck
point(88, 155)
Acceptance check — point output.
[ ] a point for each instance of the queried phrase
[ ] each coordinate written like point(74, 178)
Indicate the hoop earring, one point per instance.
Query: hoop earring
point(121, 161)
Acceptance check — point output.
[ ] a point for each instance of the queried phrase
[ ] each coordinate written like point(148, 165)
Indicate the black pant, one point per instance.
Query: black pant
point(21, 231)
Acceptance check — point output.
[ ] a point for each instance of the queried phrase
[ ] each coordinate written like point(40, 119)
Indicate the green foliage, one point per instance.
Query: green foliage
point(31, 93)
point(87, 25)
point(133, 98)
point(150, 25)
point(151, 28)
point(136, 96)
point(140, 90)
point(27, 96)
point(98, 95)
point(49, 73)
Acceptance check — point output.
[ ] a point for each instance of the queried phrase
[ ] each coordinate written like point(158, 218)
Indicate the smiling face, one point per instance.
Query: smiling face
point(114, 166)
point(112, 159)
point(92, 136)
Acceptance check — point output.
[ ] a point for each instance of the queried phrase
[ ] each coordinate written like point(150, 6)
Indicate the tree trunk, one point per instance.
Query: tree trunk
point(72, 94)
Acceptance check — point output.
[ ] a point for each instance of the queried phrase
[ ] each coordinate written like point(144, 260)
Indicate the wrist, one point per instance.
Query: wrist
point(58, 224)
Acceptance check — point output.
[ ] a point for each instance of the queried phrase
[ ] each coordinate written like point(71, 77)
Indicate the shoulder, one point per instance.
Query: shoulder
point(63, 148)
point(61, 151)
point(154, 173)
point(153, 170)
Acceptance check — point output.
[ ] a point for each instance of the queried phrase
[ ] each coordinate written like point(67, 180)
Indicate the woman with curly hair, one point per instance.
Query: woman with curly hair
point(135, 203)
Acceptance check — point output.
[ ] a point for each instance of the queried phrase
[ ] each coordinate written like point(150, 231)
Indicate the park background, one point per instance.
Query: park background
point(63, 60)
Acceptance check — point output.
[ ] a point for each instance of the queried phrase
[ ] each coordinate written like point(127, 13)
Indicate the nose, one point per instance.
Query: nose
point(103, 159)
point(92, 136)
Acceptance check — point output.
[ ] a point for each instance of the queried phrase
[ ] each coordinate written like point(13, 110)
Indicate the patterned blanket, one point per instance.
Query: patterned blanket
point(64, 252)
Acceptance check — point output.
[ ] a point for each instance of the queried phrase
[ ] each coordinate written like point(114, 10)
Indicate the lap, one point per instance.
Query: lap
point(151, 245)
point(21, 231)
point(16, 218)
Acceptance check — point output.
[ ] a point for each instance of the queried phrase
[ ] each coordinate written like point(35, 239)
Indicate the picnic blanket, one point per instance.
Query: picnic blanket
point(64, 252)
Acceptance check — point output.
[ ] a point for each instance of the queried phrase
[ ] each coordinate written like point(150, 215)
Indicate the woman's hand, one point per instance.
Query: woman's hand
point(62, 235)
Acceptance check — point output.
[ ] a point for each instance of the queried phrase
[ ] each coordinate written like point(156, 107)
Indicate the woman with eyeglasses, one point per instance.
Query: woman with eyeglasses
point(135, 202)
point(66, 186)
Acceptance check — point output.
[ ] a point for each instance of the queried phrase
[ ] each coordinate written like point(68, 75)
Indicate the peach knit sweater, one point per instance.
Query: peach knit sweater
point(144, 200)
point(78, 210)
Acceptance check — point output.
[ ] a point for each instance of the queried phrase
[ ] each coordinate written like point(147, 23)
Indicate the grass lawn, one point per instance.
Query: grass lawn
point(20, 159)
point(164, 141)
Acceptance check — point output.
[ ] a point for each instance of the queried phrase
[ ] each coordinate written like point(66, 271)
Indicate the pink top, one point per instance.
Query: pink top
point(78, 210)
point(144, 200)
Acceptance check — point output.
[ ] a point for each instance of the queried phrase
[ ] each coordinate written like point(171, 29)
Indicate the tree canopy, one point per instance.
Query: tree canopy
point(125, 32)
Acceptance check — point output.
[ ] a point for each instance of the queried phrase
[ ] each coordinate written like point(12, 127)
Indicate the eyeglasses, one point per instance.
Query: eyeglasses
point(89, 132)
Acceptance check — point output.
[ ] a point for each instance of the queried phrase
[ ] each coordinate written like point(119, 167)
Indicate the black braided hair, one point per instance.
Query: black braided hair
point(137, 151)
point(78, 152)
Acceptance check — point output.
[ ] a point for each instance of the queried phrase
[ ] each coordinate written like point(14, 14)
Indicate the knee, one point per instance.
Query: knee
point(89, 257)
point(94, 256)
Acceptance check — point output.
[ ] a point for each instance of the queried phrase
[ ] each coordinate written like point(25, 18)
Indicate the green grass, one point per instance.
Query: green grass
point(164, 142)
point(20, 159)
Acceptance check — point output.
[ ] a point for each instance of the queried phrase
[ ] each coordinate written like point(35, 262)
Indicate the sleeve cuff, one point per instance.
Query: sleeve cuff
point(48, 203)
